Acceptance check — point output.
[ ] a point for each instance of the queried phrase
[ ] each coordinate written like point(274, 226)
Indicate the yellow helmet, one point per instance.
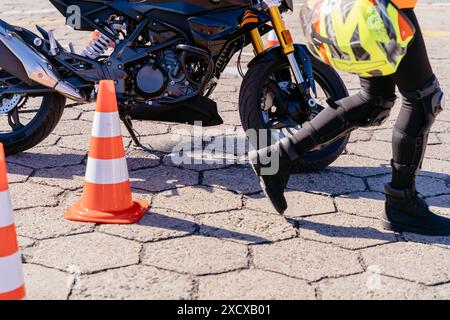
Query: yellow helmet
point(365, 37)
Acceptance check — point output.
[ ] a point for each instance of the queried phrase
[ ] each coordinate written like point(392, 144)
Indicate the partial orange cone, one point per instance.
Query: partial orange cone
point(12, 285)
point(273, 40)
point(107, 192)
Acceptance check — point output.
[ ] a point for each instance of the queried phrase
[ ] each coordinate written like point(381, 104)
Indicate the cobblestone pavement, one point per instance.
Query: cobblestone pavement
point(210, 233)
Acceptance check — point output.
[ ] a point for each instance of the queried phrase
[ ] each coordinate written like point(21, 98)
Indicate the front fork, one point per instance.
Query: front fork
point(287, 45)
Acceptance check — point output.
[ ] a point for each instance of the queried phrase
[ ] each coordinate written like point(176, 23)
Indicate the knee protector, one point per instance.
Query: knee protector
point(411, 145)
point(374, 112)
point(431, 99)
point(335, 122)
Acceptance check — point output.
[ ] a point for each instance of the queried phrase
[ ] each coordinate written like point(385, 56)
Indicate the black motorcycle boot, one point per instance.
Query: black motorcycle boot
point(273, 166)
point(406, 211)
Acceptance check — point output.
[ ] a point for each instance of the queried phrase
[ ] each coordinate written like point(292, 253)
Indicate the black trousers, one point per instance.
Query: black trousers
point(414, 73)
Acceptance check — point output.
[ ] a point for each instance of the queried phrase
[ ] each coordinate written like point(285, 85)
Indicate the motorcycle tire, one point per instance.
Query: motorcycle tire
point(252, 115)
point(33, 133)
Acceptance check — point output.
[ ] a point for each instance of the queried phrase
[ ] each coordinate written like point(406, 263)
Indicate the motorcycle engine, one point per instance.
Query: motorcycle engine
point(162, 76)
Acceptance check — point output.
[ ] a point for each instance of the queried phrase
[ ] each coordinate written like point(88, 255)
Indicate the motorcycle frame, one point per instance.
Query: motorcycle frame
point(261, 12)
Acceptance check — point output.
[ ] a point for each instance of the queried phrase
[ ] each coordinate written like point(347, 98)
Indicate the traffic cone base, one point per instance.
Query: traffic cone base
point(78, 212)
point(107, 194)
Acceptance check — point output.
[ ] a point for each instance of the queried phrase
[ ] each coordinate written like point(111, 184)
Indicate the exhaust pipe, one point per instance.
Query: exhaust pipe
point(27, 64)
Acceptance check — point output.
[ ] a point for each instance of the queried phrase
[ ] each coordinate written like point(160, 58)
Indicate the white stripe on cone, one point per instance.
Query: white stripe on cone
point(6, 217)
point(106, 125)
point(107, 171)
point(11, 275)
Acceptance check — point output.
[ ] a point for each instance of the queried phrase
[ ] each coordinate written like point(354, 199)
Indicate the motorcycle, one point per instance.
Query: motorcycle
point(165, 58)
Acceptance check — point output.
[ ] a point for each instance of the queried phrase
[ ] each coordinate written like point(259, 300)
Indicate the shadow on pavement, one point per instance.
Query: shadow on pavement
point(177, 224)
point(58, 169)
point(345, 232)
point(70, 166)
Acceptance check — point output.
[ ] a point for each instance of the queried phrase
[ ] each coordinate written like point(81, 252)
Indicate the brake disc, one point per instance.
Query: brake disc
point(9, 103)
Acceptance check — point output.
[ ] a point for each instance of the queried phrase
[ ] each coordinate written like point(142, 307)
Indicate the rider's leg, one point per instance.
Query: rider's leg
point(369, 107)
point(422, 102)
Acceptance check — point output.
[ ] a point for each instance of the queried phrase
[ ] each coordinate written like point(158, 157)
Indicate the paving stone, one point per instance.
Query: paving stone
point(67, 128)
point(40, 224)
point(71, 114)
point(226, 97)
point(166, 143)
point(386, 136)
point(196, 255)
point(25, 242)
point(411, 261)
point(147, 128)
point(346, 231)
point(226, 88)
point(80, 143)
point(88, 252)
point(68, 198)
point(440, 241)
point(17, 173)
point(439, 152)
point(364, 204)
point(300, 204)
point(86, 107)
point(28, 195)
point(204, 133)
point(388, 124)
point(445, 116)
point(158, 224)
point(51, 140)
point(134, 283)
point(235, 144)
point(373, 149)
point(231, 118)
point(440, 127)
point(162, 178)
point(360, 166)
point(426, 185)
point(227, 106)
point(140, 159)
point(47, 157)
point(198, 200)
point(329, 183)
point(305, 259)
point(440, 204)
point(373, 286)
point(360, 135)
point(247, 226)
point(238, 179)
point(253, 285)
point(46, 284)
point(88, 116)
point(436, 168)
point(444, 138)
point(67, 178)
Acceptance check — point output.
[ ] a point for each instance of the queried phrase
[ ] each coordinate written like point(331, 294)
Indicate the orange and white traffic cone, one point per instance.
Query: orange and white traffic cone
point(12, 285)
point(107, 192)
point(272, 40)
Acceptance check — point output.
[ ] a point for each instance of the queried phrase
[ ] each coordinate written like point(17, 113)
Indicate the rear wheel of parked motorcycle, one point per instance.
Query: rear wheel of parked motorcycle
point(259, 108)
point(27, 121)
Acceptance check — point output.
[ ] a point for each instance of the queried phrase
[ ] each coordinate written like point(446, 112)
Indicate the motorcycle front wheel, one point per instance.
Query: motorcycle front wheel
point(259, 109)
